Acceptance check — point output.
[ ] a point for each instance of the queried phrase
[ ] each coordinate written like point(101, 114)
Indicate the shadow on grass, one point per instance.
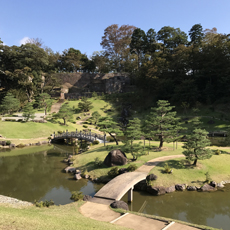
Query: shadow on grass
point(173, 164)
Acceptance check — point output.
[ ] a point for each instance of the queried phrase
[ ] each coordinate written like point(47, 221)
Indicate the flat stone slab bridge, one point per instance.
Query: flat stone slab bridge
point(81, 135)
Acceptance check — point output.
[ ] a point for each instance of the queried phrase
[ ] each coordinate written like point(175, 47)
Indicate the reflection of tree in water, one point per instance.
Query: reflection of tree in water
point(30, 177)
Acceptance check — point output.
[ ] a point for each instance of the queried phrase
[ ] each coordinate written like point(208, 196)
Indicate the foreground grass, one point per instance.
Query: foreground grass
point(54, 217)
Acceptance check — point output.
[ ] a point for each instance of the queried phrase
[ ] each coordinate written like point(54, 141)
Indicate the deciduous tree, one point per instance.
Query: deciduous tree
point(116, 42)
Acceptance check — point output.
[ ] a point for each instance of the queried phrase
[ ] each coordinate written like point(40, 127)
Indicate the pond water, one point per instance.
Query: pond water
point(39, 176)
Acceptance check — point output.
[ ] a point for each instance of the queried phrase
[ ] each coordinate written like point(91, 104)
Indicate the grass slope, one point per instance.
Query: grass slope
point(54, 217)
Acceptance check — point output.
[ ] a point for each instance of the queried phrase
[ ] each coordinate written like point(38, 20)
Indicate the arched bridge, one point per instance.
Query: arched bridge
point(81, 135)
point(116, 188)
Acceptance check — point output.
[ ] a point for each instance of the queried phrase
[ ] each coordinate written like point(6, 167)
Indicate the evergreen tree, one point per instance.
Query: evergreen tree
point(196, 146)
point(85, 105)
point(10, 104)
point(28, 111)
point(132, 132)
point(65, 113)
point(163, 122)
point(109, 126)
point(45, 101)
point(95, 117)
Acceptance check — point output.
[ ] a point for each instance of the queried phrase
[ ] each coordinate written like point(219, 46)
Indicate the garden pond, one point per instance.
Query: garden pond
point(38, 175)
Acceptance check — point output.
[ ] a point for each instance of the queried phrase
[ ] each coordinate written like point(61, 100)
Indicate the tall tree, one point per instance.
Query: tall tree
point(116, 42)
point(163, 122)
point(196, 146)
point(137, 45)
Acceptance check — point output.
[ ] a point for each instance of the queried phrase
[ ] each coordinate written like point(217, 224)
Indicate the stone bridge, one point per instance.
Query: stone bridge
point(119, 186)
point(80, 135)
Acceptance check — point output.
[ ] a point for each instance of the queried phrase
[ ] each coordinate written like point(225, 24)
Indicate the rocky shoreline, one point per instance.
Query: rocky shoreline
point(14, 202)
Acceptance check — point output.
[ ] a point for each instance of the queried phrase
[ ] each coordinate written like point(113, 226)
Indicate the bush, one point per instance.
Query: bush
point(132, 168)
point(208, 177)
point(167, 168)
point(113, 172)
point(45, 203)
point(96, 142)
point(20, 145)
point(76, 195)
point(217, 152)
point(59, 132)
point(98, 162)
point(8, 142)
point(85, 126)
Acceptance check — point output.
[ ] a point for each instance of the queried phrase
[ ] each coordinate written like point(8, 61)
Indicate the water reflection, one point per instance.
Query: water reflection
point(39, 176)
point(212, 209)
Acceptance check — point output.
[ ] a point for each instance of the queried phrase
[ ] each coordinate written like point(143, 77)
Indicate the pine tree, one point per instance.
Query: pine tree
point(85, 105)
point(109, 126)
point(132, 132)
point(28, 111)
point(10, 104)
point(65, 113)
point(45, 101)
point(163, 122)
point(196, 146)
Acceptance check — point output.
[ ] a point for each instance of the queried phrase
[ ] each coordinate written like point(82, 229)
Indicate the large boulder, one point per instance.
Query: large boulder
point(119, 204)
point(158, 190)
point(207, 188)
point(115, 157)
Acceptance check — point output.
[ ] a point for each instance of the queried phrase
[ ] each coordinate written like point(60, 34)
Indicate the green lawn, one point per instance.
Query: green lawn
point(32, 129)
point(54, 217)
point(217, 166)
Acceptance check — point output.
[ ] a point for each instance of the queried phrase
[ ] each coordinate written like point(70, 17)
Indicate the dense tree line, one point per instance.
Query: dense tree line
point(168, 64)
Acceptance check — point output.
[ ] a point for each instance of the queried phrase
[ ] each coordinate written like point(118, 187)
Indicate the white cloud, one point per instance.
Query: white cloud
point(23, 41)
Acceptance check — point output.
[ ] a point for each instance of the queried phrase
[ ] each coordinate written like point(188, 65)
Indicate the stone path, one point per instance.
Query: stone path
point(102, 212)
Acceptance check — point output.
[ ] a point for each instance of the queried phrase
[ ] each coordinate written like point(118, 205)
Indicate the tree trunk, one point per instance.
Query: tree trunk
point(64, 121)
point(114, 137)
point(194, 163)
point(161, 142)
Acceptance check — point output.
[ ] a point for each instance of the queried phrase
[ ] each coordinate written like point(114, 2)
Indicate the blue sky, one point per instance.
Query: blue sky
point(81, 23)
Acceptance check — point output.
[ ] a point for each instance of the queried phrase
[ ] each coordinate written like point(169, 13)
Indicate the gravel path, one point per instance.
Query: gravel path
point(14, 202)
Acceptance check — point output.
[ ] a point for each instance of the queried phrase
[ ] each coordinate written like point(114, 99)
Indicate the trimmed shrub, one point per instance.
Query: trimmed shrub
point(76, 195)
point(113, 172)
point(96, 142)
point(59, 132)
point(85, 126)
point(45, 203)
point(98, 162)
point(8, 142)
point(132, 168)
point(217, 152)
